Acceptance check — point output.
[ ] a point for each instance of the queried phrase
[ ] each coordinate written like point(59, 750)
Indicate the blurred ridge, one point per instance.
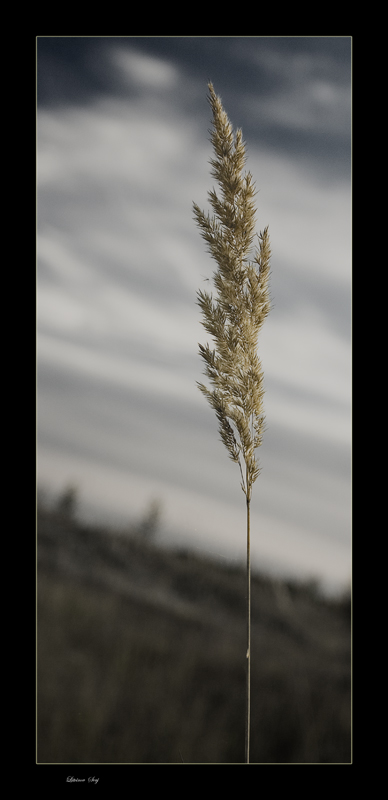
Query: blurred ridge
point(141, 656)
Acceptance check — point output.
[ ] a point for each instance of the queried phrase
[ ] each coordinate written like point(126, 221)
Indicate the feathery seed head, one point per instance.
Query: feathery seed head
point(242, 302)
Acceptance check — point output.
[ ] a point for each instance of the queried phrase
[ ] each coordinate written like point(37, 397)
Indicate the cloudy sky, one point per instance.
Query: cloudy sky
point(123, 151)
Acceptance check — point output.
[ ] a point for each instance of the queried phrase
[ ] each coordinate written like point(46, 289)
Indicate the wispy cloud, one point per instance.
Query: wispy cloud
point(120, 261)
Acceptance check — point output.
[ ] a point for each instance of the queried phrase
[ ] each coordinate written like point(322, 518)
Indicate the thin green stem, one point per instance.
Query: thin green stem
point(248, 666)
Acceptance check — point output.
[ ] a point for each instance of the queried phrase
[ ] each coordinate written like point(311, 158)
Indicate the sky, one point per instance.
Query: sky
point(122, 152)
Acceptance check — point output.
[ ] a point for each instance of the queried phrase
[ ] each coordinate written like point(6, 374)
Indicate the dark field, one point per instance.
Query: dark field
point(141, 658)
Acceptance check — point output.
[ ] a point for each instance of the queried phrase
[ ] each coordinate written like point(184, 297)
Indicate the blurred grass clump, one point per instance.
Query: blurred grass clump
point(141, 656)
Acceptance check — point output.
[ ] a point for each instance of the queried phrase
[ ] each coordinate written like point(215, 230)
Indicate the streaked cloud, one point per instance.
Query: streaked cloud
point(120, 261)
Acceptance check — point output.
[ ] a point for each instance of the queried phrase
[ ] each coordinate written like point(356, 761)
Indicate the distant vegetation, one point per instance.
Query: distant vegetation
point(141, 656)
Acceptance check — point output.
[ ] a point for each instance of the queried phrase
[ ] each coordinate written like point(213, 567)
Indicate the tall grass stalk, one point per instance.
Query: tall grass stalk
point(233, 317)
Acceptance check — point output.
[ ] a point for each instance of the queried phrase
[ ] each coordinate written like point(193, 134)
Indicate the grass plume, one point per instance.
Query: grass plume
point(234, 315)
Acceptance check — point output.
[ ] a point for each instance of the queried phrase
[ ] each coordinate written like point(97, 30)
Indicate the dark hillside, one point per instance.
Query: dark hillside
point(141, 657)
